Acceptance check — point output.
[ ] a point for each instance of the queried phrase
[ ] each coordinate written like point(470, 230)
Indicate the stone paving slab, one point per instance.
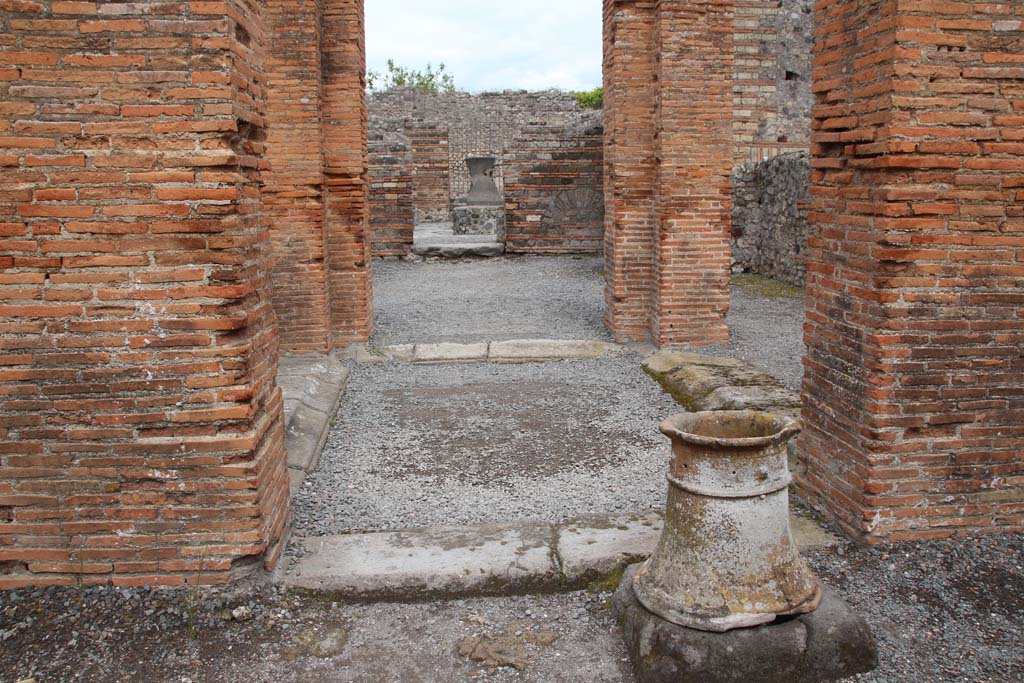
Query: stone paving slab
point(531, 350)
point(594, 547)
point(311, 386)
point(483, 560)
point(514, 351)
point(450, 353)
point(700, 382)
point(488, 559)
point(440, 240)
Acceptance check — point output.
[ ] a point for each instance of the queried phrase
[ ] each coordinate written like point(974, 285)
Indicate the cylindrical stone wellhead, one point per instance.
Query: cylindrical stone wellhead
point(726, 558)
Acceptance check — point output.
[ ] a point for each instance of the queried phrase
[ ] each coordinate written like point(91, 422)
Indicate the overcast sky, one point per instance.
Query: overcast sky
point(491, 45)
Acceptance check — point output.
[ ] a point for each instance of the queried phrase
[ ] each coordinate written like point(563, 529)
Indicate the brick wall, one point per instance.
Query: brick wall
point(293, 193)
point(391, 196)
point(346, 223)
point(630, 103)
point(141, 437)
point(669, 152)
point(913, 411)
point(430, 172)
point(554, 200)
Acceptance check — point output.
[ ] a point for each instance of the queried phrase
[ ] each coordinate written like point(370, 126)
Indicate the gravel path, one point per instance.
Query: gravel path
point(942, 612)
point(419, 445)
point(767, 332)
point(515, 297)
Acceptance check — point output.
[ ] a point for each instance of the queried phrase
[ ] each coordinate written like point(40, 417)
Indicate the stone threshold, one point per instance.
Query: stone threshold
point(311, 386)
point(488, 559)
point(515, 351)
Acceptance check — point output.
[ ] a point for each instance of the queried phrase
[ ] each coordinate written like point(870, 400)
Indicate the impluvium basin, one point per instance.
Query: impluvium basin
point(726, 558)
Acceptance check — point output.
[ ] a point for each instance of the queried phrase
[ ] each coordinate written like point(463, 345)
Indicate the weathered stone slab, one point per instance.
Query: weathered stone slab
point(592, 548)
point(361, 353)
point(481, 560)
point(450, 353)
point(312, 386)
point(460, 249)
point(701, 382)
point(527, 350)
point(828, 644)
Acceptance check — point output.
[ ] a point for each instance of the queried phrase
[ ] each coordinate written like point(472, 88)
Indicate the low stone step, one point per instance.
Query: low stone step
point(488, 559)
point(459, 249)
point(311, 386)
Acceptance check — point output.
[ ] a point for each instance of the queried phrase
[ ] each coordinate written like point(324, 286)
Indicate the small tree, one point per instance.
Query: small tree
point(590, 99)
point(428, 79)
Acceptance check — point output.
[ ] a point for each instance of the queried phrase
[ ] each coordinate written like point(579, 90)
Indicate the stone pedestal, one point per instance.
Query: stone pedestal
point(473, 219)
point(827, 644)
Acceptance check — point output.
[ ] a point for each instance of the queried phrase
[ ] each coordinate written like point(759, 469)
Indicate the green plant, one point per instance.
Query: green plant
point(397, 76)
point(193, 600)
point(590, 99)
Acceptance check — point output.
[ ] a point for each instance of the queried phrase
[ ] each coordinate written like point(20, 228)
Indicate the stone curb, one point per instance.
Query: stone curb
point(700, 382)
point(488, 559)
point(514, 351)
point(311, 386)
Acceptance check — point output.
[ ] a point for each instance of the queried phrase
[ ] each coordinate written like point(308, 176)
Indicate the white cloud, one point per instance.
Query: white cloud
point(525, 44)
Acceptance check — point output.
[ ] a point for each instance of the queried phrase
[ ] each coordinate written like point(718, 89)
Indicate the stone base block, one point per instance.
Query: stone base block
point(479, 220)
point(829, 644)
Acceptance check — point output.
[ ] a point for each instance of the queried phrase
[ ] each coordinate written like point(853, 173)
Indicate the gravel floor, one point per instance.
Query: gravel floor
point(114, 636)
point(556, 297)
point(942, 612)
point(513, 297)
point(767, 332)
point(425, 445)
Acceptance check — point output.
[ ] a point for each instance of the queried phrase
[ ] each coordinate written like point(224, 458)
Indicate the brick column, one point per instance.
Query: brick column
point(293, 194)
point(347, 227)
point(141, 437)
point(695, 143)
point(630, 173)
point(668, 157)
point(913, 408)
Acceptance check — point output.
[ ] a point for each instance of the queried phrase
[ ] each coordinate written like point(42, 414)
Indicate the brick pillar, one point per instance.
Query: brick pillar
point(141, 437)
point(668, 137)
point(630, 172)
point(695, 141)
point(293, 194)
point(347, 226)
point(913, 407)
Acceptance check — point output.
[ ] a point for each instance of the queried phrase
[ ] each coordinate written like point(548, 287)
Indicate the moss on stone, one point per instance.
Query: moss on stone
point(767, 287)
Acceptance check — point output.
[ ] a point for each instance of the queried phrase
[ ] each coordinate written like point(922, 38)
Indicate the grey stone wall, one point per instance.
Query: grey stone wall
point(769, 217)
point(477, 125)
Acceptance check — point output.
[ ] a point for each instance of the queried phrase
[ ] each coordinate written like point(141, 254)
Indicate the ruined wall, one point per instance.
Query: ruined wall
point(772, 78)
point(391, 193)
point(141, 437)
point(430, 172)
point(769, 217)
point(913, 412)
point(477, 125)
point(554, 201)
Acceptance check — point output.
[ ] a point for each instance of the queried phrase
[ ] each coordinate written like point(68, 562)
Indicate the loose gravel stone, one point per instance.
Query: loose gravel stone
point(512, 297)
point(462, 444)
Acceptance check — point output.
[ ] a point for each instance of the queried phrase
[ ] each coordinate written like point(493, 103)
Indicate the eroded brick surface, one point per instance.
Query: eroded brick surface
point(140, 426)
point(913, 404)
